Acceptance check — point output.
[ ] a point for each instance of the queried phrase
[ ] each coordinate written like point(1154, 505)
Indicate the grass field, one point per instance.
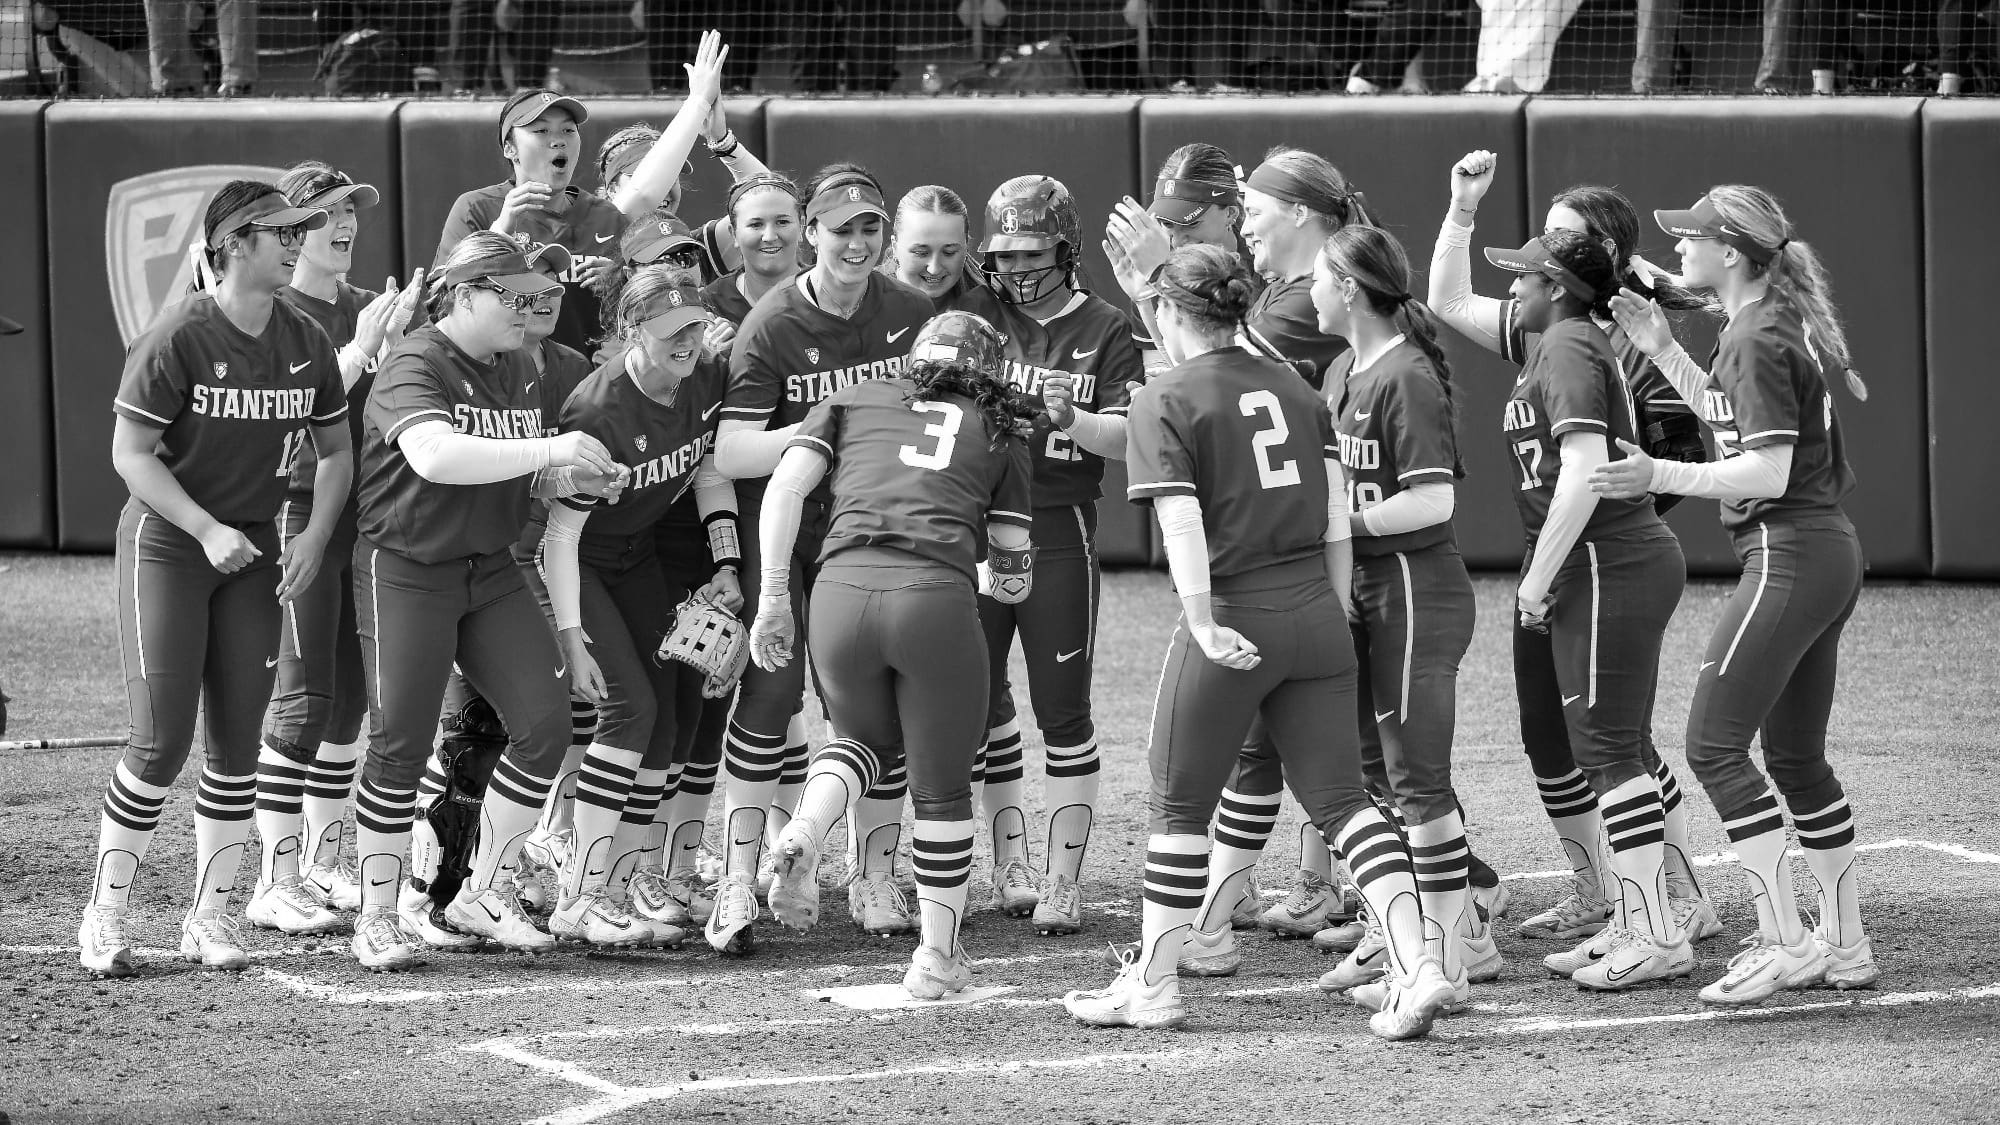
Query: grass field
point(658, 1036)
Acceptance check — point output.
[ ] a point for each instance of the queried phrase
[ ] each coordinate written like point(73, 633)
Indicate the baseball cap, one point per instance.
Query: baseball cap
point(649, 240)
point(530, 104)
point(511, 271)
point(1704, 221)
point(671, 310)
point(1180, 201)
point(330, 187)
point(269, 211)
point(552, 255)
point(838, 203)
point(1535, 257)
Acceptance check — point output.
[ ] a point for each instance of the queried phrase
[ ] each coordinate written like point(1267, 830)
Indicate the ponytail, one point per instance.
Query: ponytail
point(1797, 272)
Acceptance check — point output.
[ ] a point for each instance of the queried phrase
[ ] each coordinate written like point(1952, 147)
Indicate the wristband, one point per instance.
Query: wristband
point(727, 145)
point(723, 546)
point(1013, 573)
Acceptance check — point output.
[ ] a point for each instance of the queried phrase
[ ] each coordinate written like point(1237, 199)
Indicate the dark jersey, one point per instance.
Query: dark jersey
point(588, 228)
point(337, 318)
point(1091, 342)
point(426, 378)
point(1571, 383)
point(563, 370)
point(1767, 386)
point(663, 443)
point(923, 477)
point(724, 299)
point(1247, 438)
point(236, 408)
point(1284, 325)
point(1395, 428)
point(1652, 392)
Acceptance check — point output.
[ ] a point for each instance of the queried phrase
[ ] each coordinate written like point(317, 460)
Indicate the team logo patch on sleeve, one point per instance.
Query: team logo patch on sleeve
point(467, 384)
point(149, 223)
point(812, 355)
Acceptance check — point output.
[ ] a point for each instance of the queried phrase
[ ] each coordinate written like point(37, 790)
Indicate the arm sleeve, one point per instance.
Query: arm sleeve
point(1569, 509)
point(1102, 434)
point(1757, 474)
point(1158, 460)
point(1479, 319)
point(1686, 376)
point(778, 530)
point(747, 449)
point(1412, 509)
point(1338, 526)
point(559, 566)
point(442, 457)
point(715, 500)
point(1186, 542)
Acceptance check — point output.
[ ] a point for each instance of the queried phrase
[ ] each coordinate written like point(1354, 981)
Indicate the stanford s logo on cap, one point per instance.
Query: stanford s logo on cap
point(674, 298)
point(854, 194)
point(1010, 221)
point(149, 223)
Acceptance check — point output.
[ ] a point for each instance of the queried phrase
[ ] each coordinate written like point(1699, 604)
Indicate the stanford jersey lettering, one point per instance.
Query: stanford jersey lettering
point(1520, 415)
point(483, 422)
point(818, 386)
point(251, 403)
point(1360, 452)
point(671, 466)
point(1715, 407)
point(1029, 378)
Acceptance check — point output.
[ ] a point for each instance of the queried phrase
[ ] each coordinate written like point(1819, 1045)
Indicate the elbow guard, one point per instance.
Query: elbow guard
point(1013, 574)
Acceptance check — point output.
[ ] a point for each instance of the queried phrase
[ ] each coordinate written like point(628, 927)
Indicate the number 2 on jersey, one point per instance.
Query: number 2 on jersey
point(945, 430)
point(1284, 474)
point(288, 456)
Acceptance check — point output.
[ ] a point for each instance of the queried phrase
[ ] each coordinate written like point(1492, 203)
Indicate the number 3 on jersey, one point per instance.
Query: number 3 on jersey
point(1284, 474)
point(945, 430)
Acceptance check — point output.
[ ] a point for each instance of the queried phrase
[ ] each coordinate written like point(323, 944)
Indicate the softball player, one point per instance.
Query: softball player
point(653, 408)
point(764, 221)
point(455, 430)
point(1237, 456)
point(841, 322)
point(928, 253)
point(217, 399)
point(926, 470)
point(1602, 578)
point(1771, 663)
point(1197, 201)
point(540, 139)
point(1075, 351)
point(312, 728)
point(1608, 218)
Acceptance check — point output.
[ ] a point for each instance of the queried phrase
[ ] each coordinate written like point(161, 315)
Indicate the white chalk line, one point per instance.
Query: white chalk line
point(1957, 851)
point(1541, 1026)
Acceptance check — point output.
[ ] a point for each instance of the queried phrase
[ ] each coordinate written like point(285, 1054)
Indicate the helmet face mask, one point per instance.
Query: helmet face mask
point(1030, 213)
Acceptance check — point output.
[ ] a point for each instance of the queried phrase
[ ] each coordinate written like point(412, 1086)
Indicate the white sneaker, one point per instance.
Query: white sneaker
point(878, 907)
point(1303, 912)
point(1695, 917)
point(289, 907)
point(1202, 955)
point(1060, 910)
point(1492, 901)
point(1762, 970)
point(1576, 916)
point(531, 885)
point(1633, 959)
point(1412, 1005)
point(1015, 890)
point(932, 974)
point(729, 925)
point(550, 851)
point(101, 939)
point(213, 941)
point(335, 885)
point(1588, 952)
point(1480, 957)
point(679, 899)
point(1128, 1001)
point(595, 919)
point(794, 894)
point(766, 871)
point(496, 915)
point(1249, 906)
point(1368, 962)
point(1342, 938)
point(381, 943)
point(707, 864)
point(1849, 967)
point(415, 914)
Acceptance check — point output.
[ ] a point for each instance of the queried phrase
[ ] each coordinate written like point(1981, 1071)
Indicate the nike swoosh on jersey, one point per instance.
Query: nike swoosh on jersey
point(1569, 699)
point(604, 238)
point(301, 366)
point(1066, 657)
point(271, 662)
point(897, 334)
point(710, 412)
point(1363, 415)
point(1384, 715)
point(1706, 665)
point(1075, 354)
point(562, 671)
point(531, 385)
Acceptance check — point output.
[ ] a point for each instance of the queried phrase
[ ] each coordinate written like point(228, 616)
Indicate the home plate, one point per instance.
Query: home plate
point(877, 997)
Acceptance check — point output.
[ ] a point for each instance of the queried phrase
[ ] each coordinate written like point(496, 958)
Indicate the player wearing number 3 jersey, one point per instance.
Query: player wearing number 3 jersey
point(217, 400)
point(1236, 454)
point(927, 471)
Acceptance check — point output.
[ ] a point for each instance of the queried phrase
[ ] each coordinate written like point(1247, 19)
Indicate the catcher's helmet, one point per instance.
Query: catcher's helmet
point(1030, 213)
point(960, 337)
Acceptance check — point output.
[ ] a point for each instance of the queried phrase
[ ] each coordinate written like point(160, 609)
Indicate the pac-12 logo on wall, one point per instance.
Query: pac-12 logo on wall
point(149, 223)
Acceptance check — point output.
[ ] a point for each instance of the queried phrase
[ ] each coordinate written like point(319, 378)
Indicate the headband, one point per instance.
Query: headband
point(1280, 184)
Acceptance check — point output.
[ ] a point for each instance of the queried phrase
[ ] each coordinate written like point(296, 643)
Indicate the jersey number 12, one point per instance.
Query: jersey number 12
point(288, 455)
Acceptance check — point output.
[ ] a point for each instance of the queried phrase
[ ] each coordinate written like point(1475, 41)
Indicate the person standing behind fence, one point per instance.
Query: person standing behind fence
point(1517, 44)
point(176, 67)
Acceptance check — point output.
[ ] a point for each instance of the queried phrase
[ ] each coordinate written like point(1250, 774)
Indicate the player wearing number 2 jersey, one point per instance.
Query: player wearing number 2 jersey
point(1770, 666)
point(927, 473)
point(1074, 350)
point(217, 399)
point(1236, 454)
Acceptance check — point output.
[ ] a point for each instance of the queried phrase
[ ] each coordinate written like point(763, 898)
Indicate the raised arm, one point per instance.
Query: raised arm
point(1479, 319)
point(656, 174)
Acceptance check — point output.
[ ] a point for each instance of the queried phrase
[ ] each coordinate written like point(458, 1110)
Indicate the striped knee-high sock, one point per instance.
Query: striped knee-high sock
point(381, 833)
point(751, 764)
point(603, 788)
point(1241, 826)
point(628, 843)
point(687, 815)
point(1314, 855)
point(941, 859)
point(1176, 879)
point(1681, 880)
point(559, 813)
point(876, 823)
point(281, 788)
point(1758, 832)
point(1443, 866)
point(124, 831)
point(1379, 861)
point(426, 850)
point(1003, 799)
point(1635, 832)
point(1826, 835)
point(1572, 808)
point(1070, 795)
point(224, 806)
point(329, 785)
point(840, 771)
point(791, 779)
point(514, 798)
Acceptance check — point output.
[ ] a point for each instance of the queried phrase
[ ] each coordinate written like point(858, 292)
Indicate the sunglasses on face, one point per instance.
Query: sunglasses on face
point(680, 258)
point(514, 302)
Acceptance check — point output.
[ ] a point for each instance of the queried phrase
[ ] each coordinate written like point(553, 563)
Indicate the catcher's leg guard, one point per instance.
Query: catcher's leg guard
point(473, 742)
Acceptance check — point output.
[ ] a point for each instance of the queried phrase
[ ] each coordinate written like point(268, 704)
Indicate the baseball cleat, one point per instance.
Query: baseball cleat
point(1061, 909)
point(288, 906)
point(680, 899)
point(1015, 891)
point(932, 974)
point(594, 919)
point(1489, 894)
point(1342, 938)
point(381, 943)
point(794, 894)
point(1765, 968)
point(1243, 916)
point(1368, 962)
point(729, 925)
point(421, 920)
point(1694, 917)
point(1849, 967)
point(1128, 1001)
point(101, 939)
point(1411, 1006)
point(878, 907)
point(213, 941)
point(496, 915)
point(528, 886)
point(1632, 960)
point(1303, 912)
point(334, 885)
point(1576, 916)
point(548, 850)
point(1587, 952)
point(1480, 957)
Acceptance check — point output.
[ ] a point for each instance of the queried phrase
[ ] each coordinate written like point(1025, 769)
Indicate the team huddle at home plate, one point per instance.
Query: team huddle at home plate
point(526, 558)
